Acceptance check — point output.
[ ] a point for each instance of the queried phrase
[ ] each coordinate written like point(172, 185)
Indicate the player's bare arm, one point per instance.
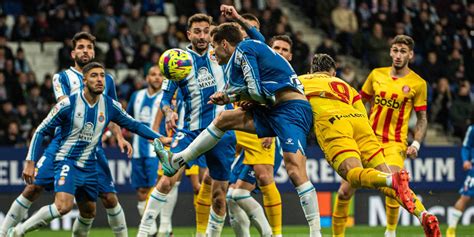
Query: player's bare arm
point(229, 12)
point(29, 172)
point(123, 144)
point(170, 117)
point(420, 131)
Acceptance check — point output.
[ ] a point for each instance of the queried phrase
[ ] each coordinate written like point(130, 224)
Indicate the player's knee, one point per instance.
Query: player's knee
point(196, 189)
point(142, 194)
point(109, 200)
point(165, 184)
point(64, 207)
point(224, 120)
point(31, 192)
point(218, 197)
point(264, 178)
point(88, 213)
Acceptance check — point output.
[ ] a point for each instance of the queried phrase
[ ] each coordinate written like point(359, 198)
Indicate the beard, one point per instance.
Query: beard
point(200, 49)
point(81, 62)
point(401, 66)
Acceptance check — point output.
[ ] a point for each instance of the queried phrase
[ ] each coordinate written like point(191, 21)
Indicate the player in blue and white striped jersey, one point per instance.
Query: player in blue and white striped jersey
point(66, 83)
point(256, 72)
point(206, 78)
point(467, 190)
point(82, 117)
point(144, 105)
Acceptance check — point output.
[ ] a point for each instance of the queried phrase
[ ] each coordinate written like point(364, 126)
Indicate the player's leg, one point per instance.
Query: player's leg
point(193, 175)
point(237, 217)
point(156, 201)
point(271, 196)
point(87, 213)
point(203, 205)
point(455, 214)
point(341, 208)
point(166, 213)
point(241, 195)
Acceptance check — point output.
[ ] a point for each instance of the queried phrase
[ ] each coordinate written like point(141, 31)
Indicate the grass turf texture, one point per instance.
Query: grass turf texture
point(294, 231)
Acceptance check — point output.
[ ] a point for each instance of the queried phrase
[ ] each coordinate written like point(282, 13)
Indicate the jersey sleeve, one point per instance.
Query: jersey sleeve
point(169, 88)
point(54, 119)
point(248, 64)
point(130, 104)
point(60, 87)
point(420, 99)
point(468, 144)
point(357, 101)
point(110, 83)
point(254, 34)
point(120, 117)
point(367, 90)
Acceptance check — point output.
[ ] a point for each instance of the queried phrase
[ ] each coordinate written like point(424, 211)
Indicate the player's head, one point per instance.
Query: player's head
point(401, 51)
point(154, 78)
point(225, 38)
point(198, 31)
point(323, 63)
point(252, 20)
point(83, 48)
point(94, 77)
point(282, 44)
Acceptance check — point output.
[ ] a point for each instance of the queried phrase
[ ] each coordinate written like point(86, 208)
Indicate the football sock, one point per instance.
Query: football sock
point(18, 210)
point(368, 178)
point(116, 219)
point(253, 210)
point(309, 203)
point(453, 217)
point(272, 206)
point(392, 208)
point(339, 217)
point(155, 203)
point(237, 217)
point(206, 140)
point(203, 206)
point(167, 212)
point(82, 226)
point(216, 223)
point(40, 219)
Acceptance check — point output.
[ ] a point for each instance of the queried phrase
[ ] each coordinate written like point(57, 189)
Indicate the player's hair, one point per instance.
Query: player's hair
point(251, 17)
point(199, 17)
point(404, 39)
point(285, 38)
point(91, 66)
point(82, 35)
point(228, 32)
point(322, 63)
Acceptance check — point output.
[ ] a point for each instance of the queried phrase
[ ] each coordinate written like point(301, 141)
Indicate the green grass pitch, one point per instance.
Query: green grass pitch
point(293, 231)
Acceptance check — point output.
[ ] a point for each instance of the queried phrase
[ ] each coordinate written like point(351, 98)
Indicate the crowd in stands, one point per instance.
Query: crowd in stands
point(443, 30)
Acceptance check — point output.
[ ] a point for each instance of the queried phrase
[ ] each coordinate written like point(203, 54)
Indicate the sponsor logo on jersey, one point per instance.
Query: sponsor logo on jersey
point(87, 132)
point(343, 116)
point(101, 117)
point(406, 89)
point(387, 102)
point(205, 78)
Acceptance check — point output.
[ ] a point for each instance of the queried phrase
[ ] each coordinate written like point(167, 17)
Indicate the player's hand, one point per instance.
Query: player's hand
point(125, 145)
point(29, 172)
point(171, 118)
point(229, 12)
point(412, 152)
point(219, 98)
point(467, 165)
point(267, 142)
point(166, 140)
point(248, 104)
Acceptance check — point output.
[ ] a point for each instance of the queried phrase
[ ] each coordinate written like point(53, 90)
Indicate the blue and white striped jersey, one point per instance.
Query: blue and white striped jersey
point(467, 150)
point(257, 72)
point(143, 107)
point(82, 126)
point(206, 78)
point(69, 81)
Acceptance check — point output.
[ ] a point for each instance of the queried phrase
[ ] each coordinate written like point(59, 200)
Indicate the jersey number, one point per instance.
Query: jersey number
point(64, 170)
point(342, 90)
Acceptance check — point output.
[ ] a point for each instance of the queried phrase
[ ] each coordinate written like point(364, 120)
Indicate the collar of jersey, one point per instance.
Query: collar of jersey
point(87, 102)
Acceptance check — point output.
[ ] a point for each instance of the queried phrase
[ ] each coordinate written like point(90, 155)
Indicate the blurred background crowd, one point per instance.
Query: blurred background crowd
point(359, 30)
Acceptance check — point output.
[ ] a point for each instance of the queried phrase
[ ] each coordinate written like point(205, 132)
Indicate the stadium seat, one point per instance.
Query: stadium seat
point(158, 24)
point(170, 12)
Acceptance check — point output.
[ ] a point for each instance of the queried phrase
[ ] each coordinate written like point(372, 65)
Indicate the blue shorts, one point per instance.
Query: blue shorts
point(468, 187)
point(144, 172)
point(80, 182)
point(182, 140)
point(290, 121)
point(236, 168)
point(218, 159)
point(106, 182)
point(45, 166)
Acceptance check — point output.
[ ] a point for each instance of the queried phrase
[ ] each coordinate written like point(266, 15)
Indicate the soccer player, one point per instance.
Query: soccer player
point(144, 106)
point(256, 72)
point(206, 78)
point(393, 93)
point(67, 83)
point(82, 118)
point(467, 191)
point(350, 146)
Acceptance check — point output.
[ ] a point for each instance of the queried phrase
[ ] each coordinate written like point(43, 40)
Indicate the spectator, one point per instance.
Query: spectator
point(25, 120)
point(145, 35)
point(8, 53)
point(41, 28)
point(7, 114)
point(159, 44)
point(432, 69)
point(136, 22)
point(378, 48)
point(441, 103)
point(327, 47)
point(345, 21)
point(47, 89)
point(107, 26)
point(3, 60)
point(60, 25)
point(4, 92)
point(249, 7)
point(141, 57)
point(22, 29)
point(153, 7)
point(116, 57)
point(37, 104)
point(21, 64)
point(173, 37)
point(64, 55)
point(348, 74)
point(300, 51)
point(13, 137)
point(462, 110)
point(126, 40)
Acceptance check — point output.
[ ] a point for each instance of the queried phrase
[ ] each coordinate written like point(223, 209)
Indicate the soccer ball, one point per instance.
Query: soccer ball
point(175, 64)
